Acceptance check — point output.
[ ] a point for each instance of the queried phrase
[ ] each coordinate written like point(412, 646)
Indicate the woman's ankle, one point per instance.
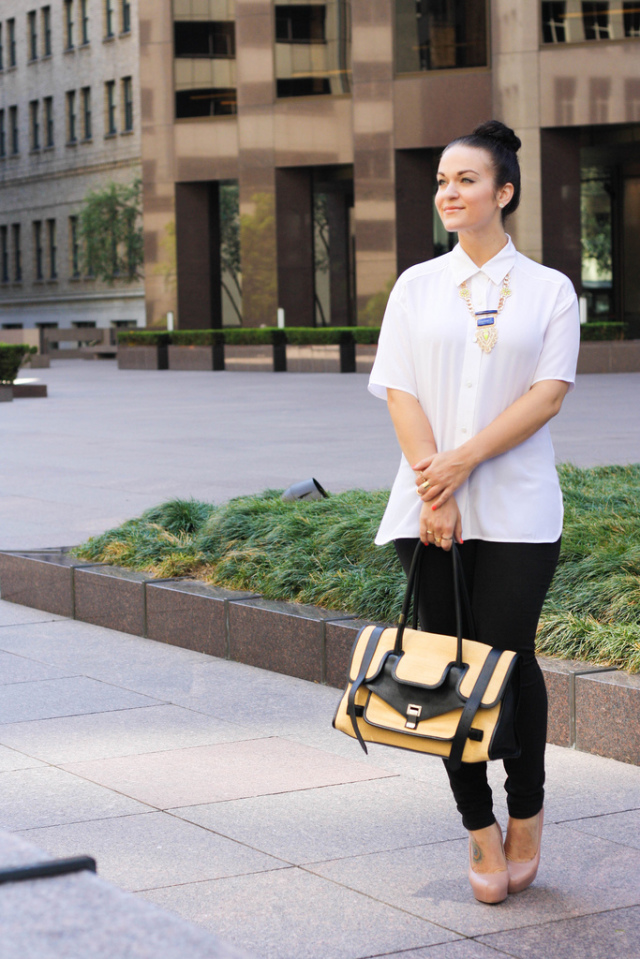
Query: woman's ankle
point(487, 851)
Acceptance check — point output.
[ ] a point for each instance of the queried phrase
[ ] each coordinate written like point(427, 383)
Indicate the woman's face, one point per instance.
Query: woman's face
point(467, 198)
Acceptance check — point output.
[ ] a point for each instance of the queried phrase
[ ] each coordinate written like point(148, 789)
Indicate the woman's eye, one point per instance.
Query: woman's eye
point(440, 183)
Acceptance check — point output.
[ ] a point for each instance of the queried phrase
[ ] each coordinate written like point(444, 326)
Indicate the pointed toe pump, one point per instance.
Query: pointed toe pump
point(489, 887)
point(522, 874)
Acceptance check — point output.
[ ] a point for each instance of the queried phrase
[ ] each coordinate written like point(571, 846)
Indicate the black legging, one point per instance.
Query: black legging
point(507, 584)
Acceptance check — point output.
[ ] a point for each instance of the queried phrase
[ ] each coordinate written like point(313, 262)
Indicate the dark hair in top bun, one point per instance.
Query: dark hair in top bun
point(502, 144)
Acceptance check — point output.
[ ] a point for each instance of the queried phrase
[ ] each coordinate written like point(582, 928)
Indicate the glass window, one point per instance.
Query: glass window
point(4, 255)
point(126, 16)
point(205, 103)
point(1, 49)
point(74, 244)
point(108, 18)
point(37, 249)
point(33, 35)
point(11, 31)
point(48, 121)
point(17, 253)
point(53, 249)
point(631, 18)
point(71, 117)
point(554, 17)
point(87, 131)
point(596, 192)
point(127, 103)
point(199, 39)
point(440, 34)
point(3, 135)
point(46, 31)
point(313, 48)
point(84, 13)
point(34, 114)
point(15, 131)
point(68, 24)
point(595, 17)
point(110, 107)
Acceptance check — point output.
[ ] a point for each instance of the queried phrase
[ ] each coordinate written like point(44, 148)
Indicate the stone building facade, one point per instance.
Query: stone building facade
point(69, 124)
point(327, 119)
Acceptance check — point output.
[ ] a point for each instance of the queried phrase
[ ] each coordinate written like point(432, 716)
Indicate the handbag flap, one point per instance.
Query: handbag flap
point(428, 656)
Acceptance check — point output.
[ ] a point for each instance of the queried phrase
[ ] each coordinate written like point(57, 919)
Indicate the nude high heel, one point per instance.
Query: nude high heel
point(489, 887)
point(522, 874)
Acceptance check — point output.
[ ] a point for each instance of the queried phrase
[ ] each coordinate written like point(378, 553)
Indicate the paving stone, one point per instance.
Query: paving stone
point(460, 949)
point(119, 733)
point(579, 785)
point(153, 850)
point(190, 614)
point(621, 827)
point(11, 759)
point(203, 774)
point(431, 881)
point(79, 916)
point(12, 614)
point(290, 913)
point(335, 821)
point(19, 669)
point(31, 798)
point(610, 935)
point(64, 697)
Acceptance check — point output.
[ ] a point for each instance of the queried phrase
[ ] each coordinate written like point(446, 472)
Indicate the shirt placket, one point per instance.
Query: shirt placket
point(470, 381)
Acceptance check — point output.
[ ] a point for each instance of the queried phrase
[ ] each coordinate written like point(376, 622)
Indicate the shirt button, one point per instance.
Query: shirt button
point(469, 384)
point(464, 429)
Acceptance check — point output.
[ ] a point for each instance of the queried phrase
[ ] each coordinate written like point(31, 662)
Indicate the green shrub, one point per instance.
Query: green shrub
point(196, 337)
point(602, 331)
point(11, 358)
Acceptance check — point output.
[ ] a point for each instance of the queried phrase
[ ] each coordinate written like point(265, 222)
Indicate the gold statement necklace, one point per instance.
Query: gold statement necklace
point(486, 326)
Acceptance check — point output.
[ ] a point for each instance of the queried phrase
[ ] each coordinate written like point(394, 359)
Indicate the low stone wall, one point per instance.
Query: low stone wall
point(594, 709)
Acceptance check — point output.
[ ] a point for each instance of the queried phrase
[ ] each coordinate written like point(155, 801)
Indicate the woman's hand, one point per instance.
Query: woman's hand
point(441, 527)
point(442, 473)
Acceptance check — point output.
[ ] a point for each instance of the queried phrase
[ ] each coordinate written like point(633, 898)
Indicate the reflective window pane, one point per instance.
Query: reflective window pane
point(313, 48)
point(440, 34)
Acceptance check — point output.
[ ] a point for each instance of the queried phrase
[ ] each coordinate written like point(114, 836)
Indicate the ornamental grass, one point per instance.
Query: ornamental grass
point(321, 553)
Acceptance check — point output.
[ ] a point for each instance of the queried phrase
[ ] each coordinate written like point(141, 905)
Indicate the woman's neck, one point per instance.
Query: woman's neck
point(482, 248)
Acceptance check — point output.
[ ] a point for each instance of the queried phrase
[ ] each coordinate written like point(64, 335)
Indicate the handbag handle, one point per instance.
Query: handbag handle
point(412, 592)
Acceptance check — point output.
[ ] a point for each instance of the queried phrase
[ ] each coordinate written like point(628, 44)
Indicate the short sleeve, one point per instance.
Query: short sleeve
point(394, 367)
point(559, 357)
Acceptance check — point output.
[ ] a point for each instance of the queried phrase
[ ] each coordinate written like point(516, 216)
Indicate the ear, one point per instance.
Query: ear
point(504, 195)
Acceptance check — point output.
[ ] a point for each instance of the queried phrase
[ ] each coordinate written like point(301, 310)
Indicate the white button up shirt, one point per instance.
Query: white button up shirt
point(427, 348)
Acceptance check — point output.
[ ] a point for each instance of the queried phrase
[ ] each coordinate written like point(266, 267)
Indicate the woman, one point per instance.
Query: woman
point(477, 351)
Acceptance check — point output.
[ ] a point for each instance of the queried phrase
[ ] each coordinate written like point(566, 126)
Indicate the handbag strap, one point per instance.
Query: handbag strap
point(412, 592)
point(471, 708)
point(367, 656)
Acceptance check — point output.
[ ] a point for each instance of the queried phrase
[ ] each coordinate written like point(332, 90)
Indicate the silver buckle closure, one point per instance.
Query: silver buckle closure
point(413, 715)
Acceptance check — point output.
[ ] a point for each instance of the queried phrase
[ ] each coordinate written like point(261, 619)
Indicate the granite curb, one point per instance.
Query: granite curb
point(593, 709)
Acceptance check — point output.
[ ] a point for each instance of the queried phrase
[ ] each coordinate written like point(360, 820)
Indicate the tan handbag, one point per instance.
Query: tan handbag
point(444, 695)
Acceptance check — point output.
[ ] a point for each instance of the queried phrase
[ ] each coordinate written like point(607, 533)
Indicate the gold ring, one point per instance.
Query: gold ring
point(448, 537)
point(425, 485)
point(438, 539)
point(429, 532)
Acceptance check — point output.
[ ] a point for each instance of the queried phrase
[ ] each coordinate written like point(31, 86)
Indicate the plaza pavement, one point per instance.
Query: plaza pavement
point(219, 791)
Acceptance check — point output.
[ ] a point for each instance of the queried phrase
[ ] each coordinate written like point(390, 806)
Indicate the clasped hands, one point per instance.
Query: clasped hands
point(437, 478)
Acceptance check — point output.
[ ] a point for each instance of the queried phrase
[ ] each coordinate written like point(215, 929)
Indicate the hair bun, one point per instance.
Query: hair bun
point(495, 130)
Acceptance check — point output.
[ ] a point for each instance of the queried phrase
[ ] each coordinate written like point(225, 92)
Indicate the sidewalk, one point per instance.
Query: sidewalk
point(219, 791)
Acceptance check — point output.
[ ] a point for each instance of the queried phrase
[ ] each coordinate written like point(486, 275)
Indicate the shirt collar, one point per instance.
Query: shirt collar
point(496, 269)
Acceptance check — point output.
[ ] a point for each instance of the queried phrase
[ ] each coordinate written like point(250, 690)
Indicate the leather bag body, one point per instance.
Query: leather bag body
point(444, 695)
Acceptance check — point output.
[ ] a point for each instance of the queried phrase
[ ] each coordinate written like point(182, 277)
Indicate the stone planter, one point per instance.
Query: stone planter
point(6, 393)
point(143, 357)
point(313, 359)
point(196, 357)
point(365, 355)
point(609, 356)
point(249, 359)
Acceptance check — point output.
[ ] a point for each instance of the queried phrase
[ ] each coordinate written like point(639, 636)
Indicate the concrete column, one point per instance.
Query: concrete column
point(516, 100)
point(561, 227)
point(294, 218)
point(414, 207)
point(198, 246)
point(256, 161)
point(158, 159)
point(373, 138)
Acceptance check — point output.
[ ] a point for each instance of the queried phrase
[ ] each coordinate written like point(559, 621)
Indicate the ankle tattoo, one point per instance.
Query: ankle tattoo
point(476, 851)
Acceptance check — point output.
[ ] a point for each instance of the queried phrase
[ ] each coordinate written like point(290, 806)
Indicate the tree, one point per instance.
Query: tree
point(110, 226)
point(230, 242)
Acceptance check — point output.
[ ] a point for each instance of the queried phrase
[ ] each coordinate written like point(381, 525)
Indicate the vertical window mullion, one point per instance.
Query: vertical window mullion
point(53, 251)
point(17, 254)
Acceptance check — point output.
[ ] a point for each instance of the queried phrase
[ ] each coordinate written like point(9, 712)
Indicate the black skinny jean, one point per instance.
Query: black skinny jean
point(507, 584)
